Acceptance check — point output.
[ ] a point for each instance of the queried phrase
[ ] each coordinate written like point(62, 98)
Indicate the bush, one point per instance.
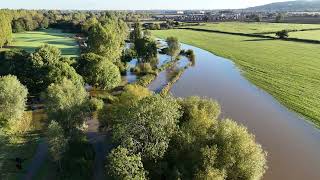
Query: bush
point(282, 34)
point(95, 104)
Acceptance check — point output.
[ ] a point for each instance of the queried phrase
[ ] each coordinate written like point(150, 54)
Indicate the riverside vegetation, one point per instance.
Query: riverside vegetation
point(152, 136)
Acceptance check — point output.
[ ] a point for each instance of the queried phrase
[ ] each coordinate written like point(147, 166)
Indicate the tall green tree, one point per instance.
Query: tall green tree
point(108, 40)
point(123, 165)
point(5, 29)
point(99, 71)
point(13, 97)
point(57, 142)
point(66, 103)
point(146, 127)
point(173, 47)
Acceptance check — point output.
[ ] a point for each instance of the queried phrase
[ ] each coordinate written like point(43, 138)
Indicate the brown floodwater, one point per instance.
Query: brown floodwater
point(293, 145)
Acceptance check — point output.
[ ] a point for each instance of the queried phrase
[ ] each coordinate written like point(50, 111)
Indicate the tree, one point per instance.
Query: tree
point(17, 62)
point(146, 49)
point(130, 96)
point(282, 34)
point(146, 127)
point(108, 40)
point(279, 17)
point(89, 23)
point(99, 71)
point(50, 67)
point(13, 97)
point(237, 152)
point(123, 165)
point(5, 29)
point(137, 32)
point(173, 47)
point(57, 142)
point(46, 55)
point(206, 148)
point(66, 103)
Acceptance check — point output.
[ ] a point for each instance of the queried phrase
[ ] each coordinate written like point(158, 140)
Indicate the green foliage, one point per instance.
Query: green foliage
point(238, 154)
point(146, 49)
point(282, 34)
point(131, 95)
point(99, 71)
point(205, 148)
point(108, 39)
point(66, 103)
point(13, 97)
point(143, 69)
point(56, 140)
point(89, 23)
point(145, 80)
point(49, 66)
point(78, 161)
point(45, 55)
point(146, 127)
point(123, 165)
point(95, 104)
point(137, 33)
point(173, 46)
point(5, 29)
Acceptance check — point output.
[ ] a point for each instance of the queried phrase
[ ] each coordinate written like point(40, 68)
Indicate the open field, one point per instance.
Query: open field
point(254, 28)
point(33, 39)
point(310, 35)
point(289, 71)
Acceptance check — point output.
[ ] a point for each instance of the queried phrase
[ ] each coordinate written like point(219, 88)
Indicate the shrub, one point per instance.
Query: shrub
point(282, 34)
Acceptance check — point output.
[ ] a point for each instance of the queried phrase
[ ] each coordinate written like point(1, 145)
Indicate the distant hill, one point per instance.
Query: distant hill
point(301, 5)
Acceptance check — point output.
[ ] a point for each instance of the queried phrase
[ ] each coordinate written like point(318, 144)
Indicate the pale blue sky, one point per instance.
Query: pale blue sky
point(131, 4)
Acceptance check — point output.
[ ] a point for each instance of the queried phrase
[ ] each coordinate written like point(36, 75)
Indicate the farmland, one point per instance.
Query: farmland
point(31, 40)
point(254, 28)
point(287, 70)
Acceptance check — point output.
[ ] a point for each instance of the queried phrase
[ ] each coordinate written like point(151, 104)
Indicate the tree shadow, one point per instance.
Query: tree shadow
point(260, 39)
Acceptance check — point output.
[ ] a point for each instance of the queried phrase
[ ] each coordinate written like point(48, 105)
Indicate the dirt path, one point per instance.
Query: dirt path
point(37, 160)
point(101, 143)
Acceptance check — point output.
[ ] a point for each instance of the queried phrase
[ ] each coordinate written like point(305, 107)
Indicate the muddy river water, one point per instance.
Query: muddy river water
point(293, 145)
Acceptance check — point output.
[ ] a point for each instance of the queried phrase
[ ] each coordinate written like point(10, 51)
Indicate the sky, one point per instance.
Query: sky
point(131, 4)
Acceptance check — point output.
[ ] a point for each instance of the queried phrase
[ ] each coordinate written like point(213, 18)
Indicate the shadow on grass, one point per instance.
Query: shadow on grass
point(260, 39)
point(11, 148)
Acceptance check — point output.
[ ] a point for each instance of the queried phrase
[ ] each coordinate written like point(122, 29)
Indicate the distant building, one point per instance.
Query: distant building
point(180, 12)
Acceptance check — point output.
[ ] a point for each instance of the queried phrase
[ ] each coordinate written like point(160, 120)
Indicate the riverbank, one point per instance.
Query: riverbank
point(289, 71)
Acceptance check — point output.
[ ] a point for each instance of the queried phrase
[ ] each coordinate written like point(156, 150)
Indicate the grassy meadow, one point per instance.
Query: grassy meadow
point(32, 39)
point(254, 28)
point(289, 71)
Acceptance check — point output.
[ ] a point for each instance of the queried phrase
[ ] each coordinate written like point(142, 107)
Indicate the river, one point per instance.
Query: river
point(292, 144)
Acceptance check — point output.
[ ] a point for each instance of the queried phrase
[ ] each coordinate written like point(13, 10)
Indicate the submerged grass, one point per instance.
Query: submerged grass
point(289, 71)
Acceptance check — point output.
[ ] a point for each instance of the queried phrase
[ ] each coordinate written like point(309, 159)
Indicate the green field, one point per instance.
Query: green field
point(310, 35)
point(33, 39)
point(250, 28)
point(290, 71)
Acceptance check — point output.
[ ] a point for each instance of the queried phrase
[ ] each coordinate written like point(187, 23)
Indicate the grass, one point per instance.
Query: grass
point(289, 71)
point(254, 28)
point(310, 35)
point(23, 146)
point(30, 40)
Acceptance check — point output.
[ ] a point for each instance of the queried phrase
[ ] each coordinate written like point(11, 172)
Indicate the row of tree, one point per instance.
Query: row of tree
point(167, 138)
